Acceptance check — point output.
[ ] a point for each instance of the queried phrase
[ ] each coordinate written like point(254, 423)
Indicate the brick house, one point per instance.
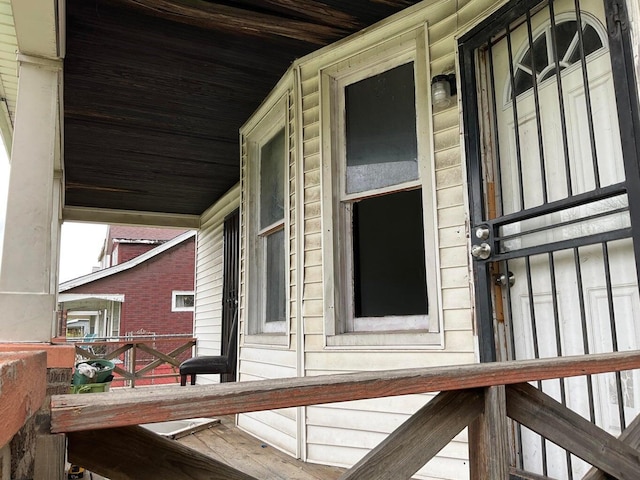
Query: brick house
point(145, 290)
point(147, 286)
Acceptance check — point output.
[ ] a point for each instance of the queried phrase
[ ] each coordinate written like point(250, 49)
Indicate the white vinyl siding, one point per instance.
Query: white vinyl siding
point(271, 356)
point(340, 434)
point(209, 279)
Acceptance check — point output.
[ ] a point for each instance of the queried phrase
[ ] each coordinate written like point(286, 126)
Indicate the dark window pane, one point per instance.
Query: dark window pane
point(381, 130)
point(526, 60)
point(272, 180)
point(389, 270)
point(523, 82)
point(551, 73)
point(184, 301)
point(591, 41)
point(275, 301)
point(565, 33)
point(540, 55)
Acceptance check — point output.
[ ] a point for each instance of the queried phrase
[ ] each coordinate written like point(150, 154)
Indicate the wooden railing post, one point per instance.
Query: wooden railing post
point(488, 438)
point(133, 365)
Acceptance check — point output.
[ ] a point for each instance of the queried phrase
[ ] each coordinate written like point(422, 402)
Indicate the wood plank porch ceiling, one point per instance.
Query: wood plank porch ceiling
point(156, 90)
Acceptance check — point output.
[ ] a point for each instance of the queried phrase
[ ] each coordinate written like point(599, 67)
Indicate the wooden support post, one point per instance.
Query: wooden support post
point(567, 429)
point(420, 438)
point(32, 225)
point(134, 453)
point(50, 454)
point(488, 438)
point(5, 462)
point(630, 436)
point(133, 365)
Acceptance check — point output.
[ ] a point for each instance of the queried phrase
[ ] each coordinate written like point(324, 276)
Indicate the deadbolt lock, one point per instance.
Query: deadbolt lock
point(482, 233)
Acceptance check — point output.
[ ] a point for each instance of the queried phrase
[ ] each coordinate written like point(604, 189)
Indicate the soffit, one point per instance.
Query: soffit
point(155, 91)
point(8, 72)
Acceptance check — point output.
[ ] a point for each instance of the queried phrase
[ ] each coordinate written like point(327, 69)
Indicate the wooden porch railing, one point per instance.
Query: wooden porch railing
point(136, 357)
point(480, 396)
point(23, 386)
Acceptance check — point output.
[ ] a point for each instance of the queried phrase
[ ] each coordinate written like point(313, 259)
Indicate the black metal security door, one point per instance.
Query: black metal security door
point(231, 281)
point(550, 117)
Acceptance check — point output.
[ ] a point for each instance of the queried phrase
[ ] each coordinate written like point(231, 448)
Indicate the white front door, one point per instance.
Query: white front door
point(561, 207)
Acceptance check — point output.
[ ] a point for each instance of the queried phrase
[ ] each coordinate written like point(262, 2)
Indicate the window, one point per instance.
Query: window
point(271, 232)
point(389, 274)
point(182, 301)
point(266, 166)
point(380, 130)
point(381, 214)
point(540, 57)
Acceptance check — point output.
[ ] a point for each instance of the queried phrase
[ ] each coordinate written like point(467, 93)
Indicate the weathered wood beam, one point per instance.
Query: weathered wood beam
point(236, 20)
point(162, 357)
point(420, 438)
point(395, 3)
point(23, 386)
point(630, 436)
point(549, 418)
point(489, 438)
point(134, 453)
point(114, 409)
point(318, 12)
point(521, 475)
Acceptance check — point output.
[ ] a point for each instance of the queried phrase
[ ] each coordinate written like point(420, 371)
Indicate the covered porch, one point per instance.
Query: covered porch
point(168, 114)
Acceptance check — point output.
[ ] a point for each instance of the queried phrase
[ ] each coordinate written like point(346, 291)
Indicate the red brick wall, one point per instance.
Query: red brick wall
point(147, 289)
point(128, 251)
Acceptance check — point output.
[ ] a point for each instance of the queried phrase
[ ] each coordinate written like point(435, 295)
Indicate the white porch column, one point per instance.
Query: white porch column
point(28, 275)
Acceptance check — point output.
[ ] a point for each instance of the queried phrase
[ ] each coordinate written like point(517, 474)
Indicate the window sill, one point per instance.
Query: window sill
point(387, 340)
point(268, 339)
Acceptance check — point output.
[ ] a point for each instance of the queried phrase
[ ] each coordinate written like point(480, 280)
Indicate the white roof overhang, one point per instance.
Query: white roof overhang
point(72, 297)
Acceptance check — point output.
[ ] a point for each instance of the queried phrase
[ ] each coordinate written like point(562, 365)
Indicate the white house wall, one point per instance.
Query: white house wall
point(257, 362)
point(340, 434)
point(209, 278)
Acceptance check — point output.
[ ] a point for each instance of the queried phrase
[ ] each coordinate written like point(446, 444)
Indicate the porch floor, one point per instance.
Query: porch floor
point(227, 443)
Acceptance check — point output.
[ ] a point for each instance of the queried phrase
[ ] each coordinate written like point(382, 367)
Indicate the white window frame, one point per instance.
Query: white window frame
point(258, 329)
point(174, 297)
point(341, 327)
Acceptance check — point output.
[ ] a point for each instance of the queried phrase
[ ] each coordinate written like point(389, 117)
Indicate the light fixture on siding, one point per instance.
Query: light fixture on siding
point(443, 89)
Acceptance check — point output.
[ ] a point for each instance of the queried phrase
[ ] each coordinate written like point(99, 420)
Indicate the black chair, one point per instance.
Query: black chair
point(213, 364)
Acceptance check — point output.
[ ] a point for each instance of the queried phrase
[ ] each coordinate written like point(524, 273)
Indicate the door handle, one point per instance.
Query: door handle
point(482, 251)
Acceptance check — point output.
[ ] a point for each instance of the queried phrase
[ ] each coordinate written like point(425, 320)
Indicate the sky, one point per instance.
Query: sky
point(80, 243)
point(80, 246)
